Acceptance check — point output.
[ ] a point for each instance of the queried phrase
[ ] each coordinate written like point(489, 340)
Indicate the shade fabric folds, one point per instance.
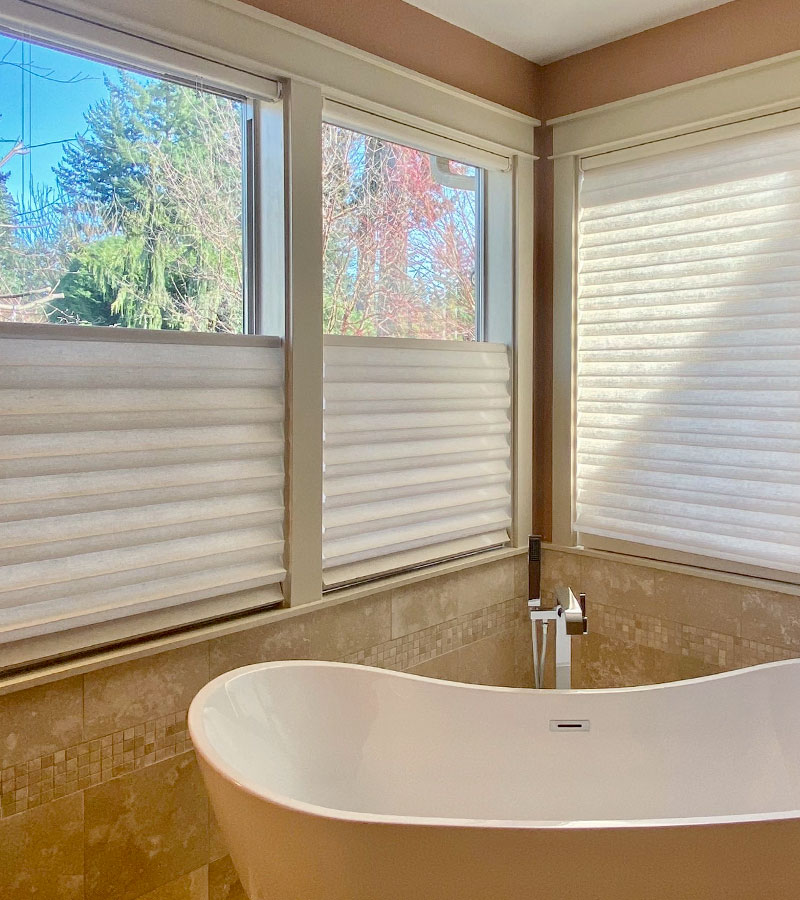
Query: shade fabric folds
point(417, 453)
point(688, 351)
point(140, 472)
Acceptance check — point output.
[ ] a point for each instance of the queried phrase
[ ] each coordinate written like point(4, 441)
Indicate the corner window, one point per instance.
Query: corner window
point(401, 233)
point(688, 327)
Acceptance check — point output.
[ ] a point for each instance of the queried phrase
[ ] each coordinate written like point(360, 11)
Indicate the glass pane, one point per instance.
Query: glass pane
point(120, 196)
point(400, 232)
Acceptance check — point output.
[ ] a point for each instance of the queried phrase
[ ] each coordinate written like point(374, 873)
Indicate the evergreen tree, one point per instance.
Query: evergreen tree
point(154, 191)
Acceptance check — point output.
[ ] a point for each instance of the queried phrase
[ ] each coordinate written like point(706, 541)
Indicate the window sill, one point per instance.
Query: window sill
point(49, 672)
point(764, 584)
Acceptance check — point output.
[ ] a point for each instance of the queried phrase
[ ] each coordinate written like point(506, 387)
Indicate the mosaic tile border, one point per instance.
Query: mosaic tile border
point(82, 765)
point(420, 646)
point(711, 647)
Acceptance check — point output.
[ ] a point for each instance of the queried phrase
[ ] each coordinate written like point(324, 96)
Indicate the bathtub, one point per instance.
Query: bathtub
point(342, 782)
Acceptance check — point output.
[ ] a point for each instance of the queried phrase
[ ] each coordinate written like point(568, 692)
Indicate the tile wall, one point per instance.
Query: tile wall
point(649, 625)
point(100, 794)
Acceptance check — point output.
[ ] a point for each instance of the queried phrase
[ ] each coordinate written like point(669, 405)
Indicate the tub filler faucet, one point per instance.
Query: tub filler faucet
point(567, 616)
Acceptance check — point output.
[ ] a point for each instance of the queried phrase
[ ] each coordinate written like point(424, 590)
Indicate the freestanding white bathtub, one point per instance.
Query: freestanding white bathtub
point(341, 782)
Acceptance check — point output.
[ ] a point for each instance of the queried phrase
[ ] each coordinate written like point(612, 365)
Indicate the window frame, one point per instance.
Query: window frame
point(234, 46)
point(688, 115)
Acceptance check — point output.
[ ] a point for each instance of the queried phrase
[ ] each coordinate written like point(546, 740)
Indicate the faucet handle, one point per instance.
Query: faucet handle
point(582, 603)
point(573, 610)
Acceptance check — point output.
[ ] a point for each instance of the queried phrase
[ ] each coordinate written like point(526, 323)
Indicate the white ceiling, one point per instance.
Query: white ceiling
point(546, 30)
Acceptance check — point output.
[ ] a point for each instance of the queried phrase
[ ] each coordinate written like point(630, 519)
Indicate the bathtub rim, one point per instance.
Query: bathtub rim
point(205, 749)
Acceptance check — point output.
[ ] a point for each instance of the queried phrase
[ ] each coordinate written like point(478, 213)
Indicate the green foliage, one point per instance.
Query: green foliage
point(146, 227)
point(157, 178)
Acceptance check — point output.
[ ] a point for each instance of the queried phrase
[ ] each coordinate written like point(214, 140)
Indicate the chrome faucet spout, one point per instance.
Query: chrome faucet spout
point(568, 617)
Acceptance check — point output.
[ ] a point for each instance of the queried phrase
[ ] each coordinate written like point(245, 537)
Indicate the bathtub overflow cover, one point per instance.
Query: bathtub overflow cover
point(569, 724)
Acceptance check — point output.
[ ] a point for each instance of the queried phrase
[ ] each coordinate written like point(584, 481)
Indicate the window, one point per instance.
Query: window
point(401, 240)
point(190, 373)
point(688, 328)
point(144, 460)
point(417, 430)
point(121, 196)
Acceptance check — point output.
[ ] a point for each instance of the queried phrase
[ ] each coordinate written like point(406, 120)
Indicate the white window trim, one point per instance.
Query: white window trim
point(231, 44)
point(740, 101)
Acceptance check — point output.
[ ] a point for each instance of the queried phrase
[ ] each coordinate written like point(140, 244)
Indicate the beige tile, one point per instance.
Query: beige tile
point(618, 584)
point(325, 634)
point(338, 630)
point(40, 720)
point(287, 639)
point(444, 666)
point(605, 662)
point(426, 603)
point(771, 618)
point(689, 667)
point(702, 602)
point(223, 882)
point(193, 886)
point(560, 569)
point(482, 586)
point(489, 661)
point(134, 692)
point(521, 576)
point(145, 829)
point(41, 852)
point(523, 655)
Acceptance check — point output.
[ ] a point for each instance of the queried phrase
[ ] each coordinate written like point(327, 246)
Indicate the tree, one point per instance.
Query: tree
point(399, 245)
point(154, 190)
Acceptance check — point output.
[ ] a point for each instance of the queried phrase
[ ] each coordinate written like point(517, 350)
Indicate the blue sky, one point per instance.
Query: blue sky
point(51, 110)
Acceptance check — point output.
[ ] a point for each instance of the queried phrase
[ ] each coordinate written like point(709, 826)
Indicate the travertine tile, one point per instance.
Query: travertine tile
point(703, 602)
point(605, 662)
point(523, 654)
point(40, 720)
point(445, 666)
point(223, 882)
point(41, 852)
point(521, 576)
point(489, 661)
point(560, 569)
point(338, 630)
point(618, 584)
point(145, 829)
point(771, 618)
point(426, 603)
point(483, 586)
point(133, 692)
point(286, 639)
point(193, 886)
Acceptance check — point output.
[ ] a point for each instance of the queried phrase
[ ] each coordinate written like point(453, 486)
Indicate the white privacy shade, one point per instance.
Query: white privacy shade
point(140, 472)
point(417, 453)
point(688, 342)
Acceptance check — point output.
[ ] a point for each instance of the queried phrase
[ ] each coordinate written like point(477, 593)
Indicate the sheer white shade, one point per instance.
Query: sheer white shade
point(688, 351)
point(417, 453)
point(139, 473)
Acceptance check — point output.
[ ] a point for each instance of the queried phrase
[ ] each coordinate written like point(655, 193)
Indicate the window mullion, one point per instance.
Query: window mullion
point(303, 125)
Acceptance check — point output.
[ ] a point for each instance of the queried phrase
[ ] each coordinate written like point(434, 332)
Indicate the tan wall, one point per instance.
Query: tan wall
point(734, 34)
point(399, 32)
point(100, 795)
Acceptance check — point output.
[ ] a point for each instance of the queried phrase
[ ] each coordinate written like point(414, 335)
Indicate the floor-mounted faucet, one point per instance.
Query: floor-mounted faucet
point(567, 616)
